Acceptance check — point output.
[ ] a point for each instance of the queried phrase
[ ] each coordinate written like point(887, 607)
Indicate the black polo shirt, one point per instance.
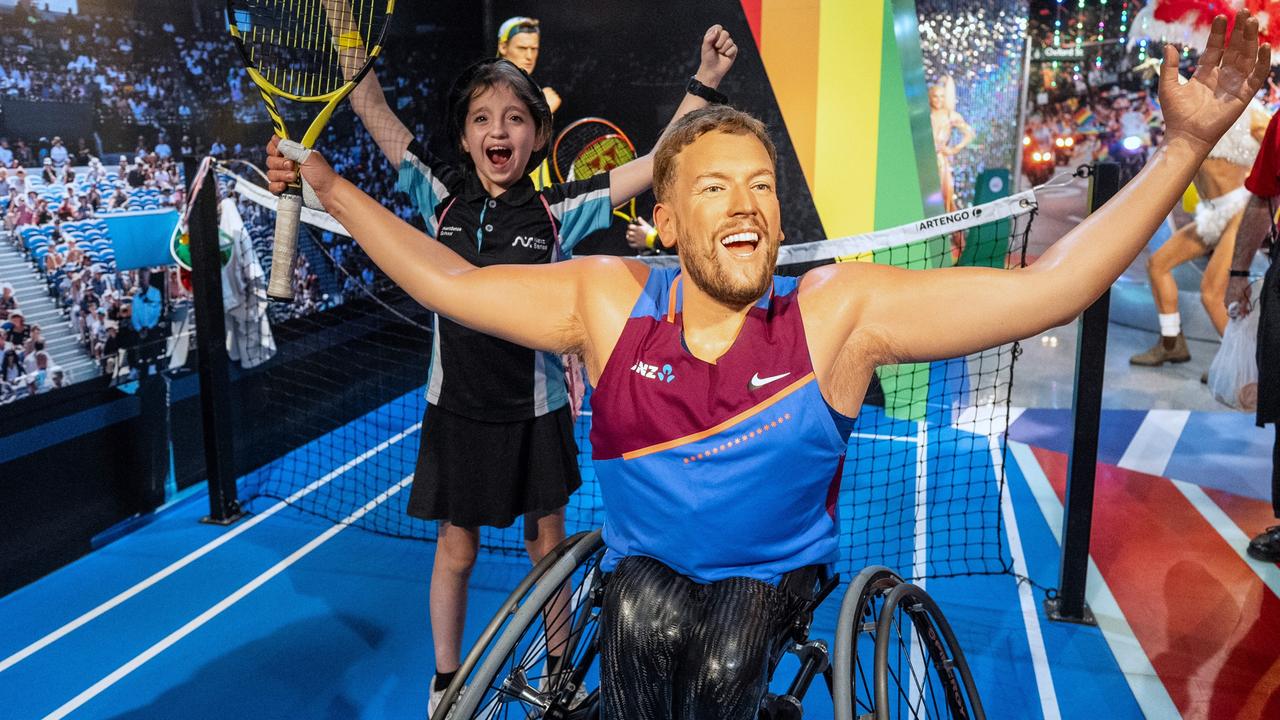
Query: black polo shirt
point(473, 374)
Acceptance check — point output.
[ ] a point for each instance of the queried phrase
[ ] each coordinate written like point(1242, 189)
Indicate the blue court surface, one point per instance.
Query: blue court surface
point(285, 614)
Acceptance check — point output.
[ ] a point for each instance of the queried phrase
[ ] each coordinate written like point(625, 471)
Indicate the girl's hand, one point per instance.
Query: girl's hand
point(718, 54)
point(285, 159)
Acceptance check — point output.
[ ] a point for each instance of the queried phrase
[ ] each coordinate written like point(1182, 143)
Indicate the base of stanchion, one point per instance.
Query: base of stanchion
point(230, 519)
point(1052, 608)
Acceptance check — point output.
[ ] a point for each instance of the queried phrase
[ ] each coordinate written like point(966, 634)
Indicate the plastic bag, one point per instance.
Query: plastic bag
point(1233, 375)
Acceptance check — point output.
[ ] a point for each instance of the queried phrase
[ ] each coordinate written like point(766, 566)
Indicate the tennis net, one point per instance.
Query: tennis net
point(332, 421)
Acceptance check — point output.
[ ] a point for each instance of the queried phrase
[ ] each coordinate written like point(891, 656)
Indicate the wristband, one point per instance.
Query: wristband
point(1239, 273)
point(711, 95)
point(650, 237)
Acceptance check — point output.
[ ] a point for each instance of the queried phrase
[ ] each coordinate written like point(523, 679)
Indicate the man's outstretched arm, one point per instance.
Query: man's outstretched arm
point(922, 315)
point(718, 53)
point(537, 306)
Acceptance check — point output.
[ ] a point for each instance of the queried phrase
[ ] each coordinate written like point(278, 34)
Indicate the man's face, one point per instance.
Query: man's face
point(722, 211)
point(522, 50)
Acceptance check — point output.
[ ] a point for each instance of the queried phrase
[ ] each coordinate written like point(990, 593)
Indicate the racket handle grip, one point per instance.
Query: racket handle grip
point(284, 250)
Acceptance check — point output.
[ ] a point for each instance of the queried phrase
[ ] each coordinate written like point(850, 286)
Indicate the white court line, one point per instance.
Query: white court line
point(1030, 617)
point(1045, 689)
point(204, 617)
point(920, 553)
point(877, 436)
point(1152, 446)
point(1268, 573)
point(196, 554)
point(1151, 694)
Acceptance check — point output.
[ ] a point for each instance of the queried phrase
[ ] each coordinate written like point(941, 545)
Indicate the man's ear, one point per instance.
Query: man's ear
point(665, 222)
point(502, 49)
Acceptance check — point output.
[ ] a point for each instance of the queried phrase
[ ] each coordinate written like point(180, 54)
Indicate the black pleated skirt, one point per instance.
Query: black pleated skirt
point(475, 473)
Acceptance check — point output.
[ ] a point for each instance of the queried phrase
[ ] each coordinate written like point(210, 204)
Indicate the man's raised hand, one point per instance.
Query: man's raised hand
point(1230, 73)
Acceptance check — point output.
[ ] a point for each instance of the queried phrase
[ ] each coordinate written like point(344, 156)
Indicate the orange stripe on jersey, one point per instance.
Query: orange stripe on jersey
point(695, 437)
point(671, 299)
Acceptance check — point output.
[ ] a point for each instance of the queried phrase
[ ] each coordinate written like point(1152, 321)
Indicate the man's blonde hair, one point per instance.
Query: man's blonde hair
point(713, 118)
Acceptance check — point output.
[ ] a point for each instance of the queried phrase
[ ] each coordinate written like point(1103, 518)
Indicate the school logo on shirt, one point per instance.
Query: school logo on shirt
point(653, 372)
point(449, 230)
point(529, 241)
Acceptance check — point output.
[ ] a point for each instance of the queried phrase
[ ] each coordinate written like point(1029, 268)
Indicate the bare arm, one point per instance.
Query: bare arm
point(366, 98)
point(387, 130)
point(1253, 227)
point(966, 134)
point(905, 315)
point(718, 53)
point(544, 307)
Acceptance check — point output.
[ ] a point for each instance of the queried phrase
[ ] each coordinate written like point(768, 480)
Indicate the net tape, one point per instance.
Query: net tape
point(1008, 208)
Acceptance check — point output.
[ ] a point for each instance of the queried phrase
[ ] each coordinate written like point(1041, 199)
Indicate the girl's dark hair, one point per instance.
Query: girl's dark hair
point(486, 74)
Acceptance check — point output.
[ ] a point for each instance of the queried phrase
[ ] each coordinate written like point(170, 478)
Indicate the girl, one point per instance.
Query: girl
point(498, 438)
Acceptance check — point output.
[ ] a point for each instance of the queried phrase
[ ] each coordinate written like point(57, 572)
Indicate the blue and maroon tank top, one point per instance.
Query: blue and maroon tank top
point(725, 469)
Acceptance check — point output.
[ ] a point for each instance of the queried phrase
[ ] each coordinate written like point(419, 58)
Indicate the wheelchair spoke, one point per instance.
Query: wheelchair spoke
point(864, 662)
point(527, 687)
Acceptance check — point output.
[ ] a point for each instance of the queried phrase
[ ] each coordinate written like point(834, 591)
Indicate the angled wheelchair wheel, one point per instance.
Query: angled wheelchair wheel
point(920, 671)
point(852, 690)
point(555, 611)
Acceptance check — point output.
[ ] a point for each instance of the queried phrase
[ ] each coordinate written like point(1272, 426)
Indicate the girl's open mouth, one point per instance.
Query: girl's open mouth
point(498, 155)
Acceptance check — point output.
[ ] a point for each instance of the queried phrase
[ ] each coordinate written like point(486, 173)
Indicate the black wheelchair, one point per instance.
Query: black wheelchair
point(895, 655)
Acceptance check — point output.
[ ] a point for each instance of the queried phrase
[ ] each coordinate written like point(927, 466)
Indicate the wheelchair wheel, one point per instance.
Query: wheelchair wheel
point(852, 691)
point(920, 671)
point(556, 608)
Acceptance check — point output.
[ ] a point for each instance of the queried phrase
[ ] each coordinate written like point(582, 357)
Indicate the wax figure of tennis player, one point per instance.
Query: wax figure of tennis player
point(723, 392)
point(520, 41)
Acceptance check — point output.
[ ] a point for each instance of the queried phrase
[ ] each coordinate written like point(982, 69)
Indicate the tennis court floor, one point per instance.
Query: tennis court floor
point(288, 615)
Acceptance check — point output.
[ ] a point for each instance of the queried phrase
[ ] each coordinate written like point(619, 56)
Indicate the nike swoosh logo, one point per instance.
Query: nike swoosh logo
point(758, 382)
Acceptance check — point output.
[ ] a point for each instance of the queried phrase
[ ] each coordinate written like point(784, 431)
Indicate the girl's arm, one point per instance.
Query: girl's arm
point(718, 53)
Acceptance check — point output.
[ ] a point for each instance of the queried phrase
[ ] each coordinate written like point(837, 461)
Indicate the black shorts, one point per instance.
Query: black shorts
point(673, 648)
point(475, 473)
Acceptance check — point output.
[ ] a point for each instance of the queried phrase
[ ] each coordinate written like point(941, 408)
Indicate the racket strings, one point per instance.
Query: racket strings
point(589, 147)
point(309, 48)
point(602, 155)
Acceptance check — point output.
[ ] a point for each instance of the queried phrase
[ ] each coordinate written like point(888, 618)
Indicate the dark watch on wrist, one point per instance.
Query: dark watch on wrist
point(711, 95)
point(1239, 273)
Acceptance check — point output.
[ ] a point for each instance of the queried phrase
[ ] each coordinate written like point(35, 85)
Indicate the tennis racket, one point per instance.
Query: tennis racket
point(591, 146)
point(305, 51)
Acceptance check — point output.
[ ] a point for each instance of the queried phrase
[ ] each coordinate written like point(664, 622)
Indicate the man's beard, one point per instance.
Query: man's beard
point(712, 278)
